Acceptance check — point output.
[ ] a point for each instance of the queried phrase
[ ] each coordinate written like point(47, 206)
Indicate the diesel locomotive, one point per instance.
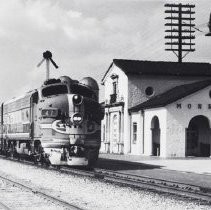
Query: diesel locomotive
point(58, 123)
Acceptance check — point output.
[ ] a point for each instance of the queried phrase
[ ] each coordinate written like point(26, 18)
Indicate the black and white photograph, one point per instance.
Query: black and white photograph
point(105, 104)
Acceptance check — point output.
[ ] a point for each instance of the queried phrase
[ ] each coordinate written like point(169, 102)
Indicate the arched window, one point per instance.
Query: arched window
point(155, 129)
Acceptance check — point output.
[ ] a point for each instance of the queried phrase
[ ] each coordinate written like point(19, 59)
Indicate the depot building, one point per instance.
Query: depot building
point(157, 108)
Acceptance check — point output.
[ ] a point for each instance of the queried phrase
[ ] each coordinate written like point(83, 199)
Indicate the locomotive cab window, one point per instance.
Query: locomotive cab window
point(84, 91)
point(54, 90)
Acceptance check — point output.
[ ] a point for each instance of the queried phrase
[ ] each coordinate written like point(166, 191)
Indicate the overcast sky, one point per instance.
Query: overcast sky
point(84, 37)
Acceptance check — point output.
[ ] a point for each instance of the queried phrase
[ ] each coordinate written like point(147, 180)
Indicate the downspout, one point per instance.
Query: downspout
point(142, 112)
point(130, 132)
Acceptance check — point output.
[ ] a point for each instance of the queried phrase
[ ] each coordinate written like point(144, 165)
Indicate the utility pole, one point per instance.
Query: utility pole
point(180, 33)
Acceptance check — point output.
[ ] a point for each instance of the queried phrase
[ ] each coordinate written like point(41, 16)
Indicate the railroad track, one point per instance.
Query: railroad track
point(21, 194)
point(24, 195)
point(157, 185)
point(183, 190)
point(146, 183)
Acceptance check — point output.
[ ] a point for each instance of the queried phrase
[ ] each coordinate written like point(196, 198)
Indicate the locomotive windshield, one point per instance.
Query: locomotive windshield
point(84, 91)
point(54, 90)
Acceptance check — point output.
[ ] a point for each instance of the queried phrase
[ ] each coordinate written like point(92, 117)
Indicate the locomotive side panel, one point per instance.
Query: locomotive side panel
point(16, 118)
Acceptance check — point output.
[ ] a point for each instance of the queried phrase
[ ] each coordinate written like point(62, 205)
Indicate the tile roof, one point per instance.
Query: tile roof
point(171, 95)
point(162, 68)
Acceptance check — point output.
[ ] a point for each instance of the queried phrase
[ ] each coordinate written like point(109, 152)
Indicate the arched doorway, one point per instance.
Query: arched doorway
point(155, 128)
point(198, 137)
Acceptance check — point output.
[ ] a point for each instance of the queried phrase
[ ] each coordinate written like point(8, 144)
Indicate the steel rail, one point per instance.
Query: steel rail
point(3, 206)
point(138, 181)
point(38, 192)
point(146, 183)
point(159, 185)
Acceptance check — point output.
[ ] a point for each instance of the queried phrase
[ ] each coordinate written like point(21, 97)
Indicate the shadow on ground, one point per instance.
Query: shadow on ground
point(118, 165)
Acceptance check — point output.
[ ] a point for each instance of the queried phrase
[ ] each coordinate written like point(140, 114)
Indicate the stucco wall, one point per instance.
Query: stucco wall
point(137, 148)
point(138, 83)
point(173, 121)
point(161, 113)
point(122, 85)
point(178, 120)
point(122, 96)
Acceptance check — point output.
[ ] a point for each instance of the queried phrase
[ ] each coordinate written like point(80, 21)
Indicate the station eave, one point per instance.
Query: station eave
point(171, 95)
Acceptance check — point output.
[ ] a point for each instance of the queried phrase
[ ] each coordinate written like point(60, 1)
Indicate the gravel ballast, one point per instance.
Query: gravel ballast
point(93, 194)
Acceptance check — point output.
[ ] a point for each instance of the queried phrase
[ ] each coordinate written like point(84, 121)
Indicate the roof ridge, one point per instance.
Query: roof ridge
point(150, 61)
point(166, 68)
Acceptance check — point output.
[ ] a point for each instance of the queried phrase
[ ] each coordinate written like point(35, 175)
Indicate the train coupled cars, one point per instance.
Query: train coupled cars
point(58, 123)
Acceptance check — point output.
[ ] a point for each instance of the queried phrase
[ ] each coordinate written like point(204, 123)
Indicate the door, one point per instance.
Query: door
point(192, 142)
point(35, 129)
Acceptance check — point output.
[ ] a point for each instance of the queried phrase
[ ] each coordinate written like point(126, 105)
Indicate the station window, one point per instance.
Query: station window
point(114, 87)
point(134, 132)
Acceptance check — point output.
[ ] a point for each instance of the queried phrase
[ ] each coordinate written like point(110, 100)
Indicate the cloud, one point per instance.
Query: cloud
point(84, 37)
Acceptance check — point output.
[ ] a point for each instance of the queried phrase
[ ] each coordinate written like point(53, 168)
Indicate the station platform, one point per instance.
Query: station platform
point(191, 170)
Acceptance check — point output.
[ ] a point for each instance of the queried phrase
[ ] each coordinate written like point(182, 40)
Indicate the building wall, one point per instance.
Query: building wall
point(173, 120)
point(138, 83)
point(178, 120)
point(161, 113)
point(136, 147)
point(122, 85)
point(120, 110)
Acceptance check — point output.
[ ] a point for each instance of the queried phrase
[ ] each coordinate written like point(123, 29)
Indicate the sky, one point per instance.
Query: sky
point(84, 37)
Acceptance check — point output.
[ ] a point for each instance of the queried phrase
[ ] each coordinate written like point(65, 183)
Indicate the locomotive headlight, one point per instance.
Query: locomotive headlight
point(77, 99)
point(77, 118)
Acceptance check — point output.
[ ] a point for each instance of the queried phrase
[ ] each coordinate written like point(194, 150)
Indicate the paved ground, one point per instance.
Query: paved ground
point(196, 171)
point(195, 165)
